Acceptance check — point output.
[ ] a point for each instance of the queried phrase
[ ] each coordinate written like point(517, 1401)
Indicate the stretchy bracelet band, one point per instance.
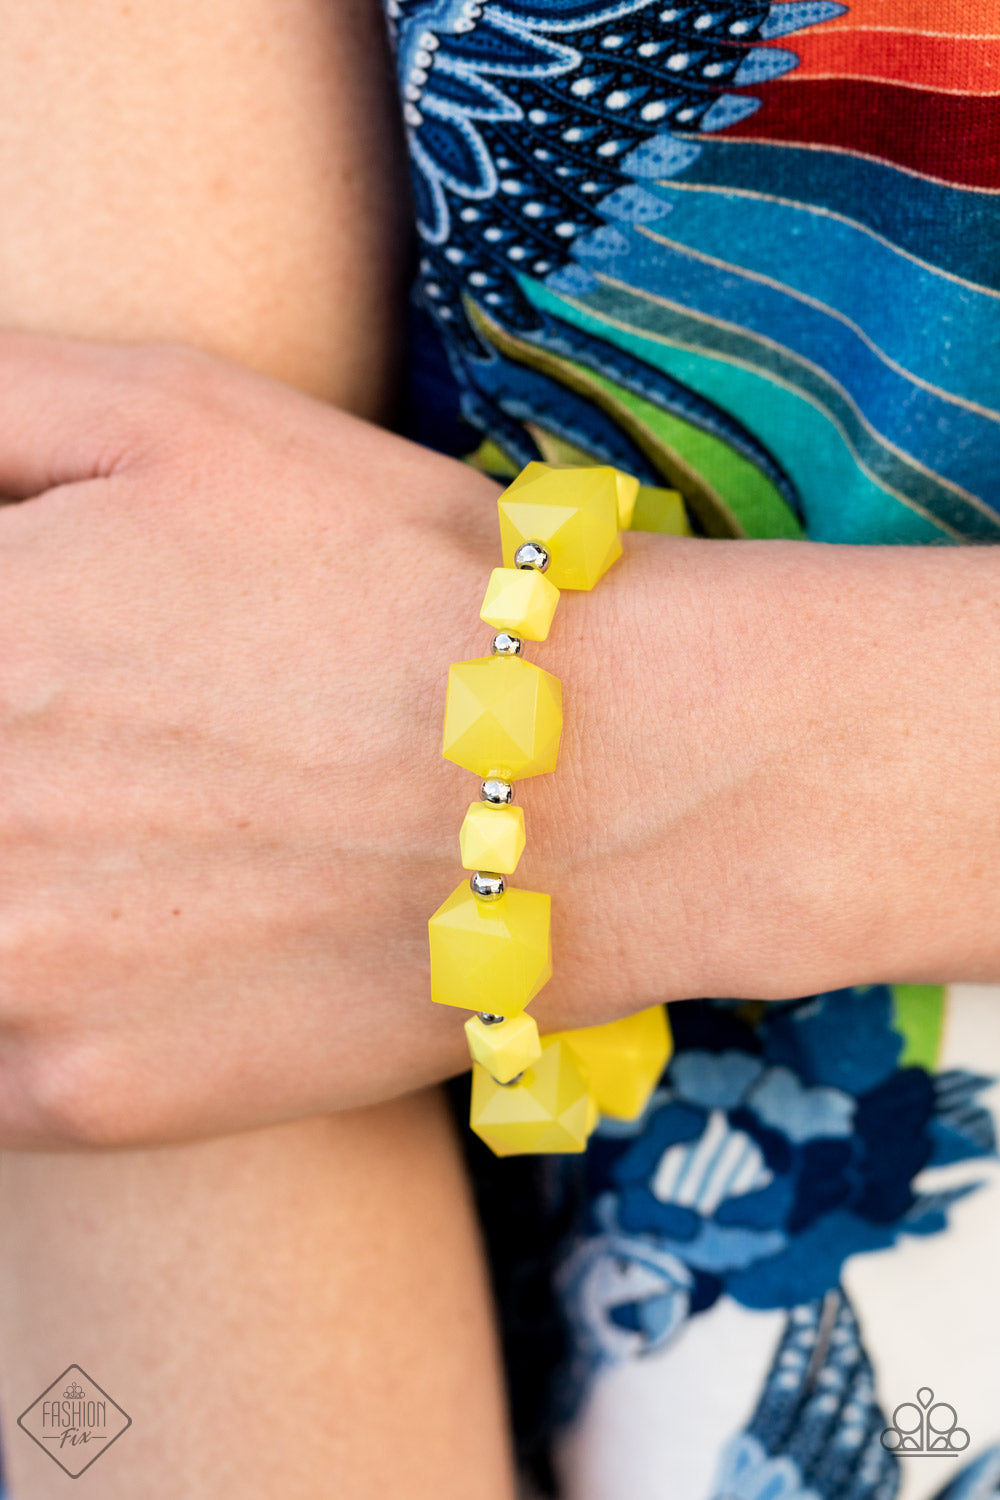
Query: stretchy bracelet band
point(489, 944)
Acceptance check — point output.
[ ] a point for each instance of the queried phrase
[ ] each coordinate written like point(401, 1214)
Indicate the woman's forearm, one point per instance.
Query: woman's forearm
point(776, 773)
point(778, 759)
point(225, 175)
point(222, 175)
point(780, 772)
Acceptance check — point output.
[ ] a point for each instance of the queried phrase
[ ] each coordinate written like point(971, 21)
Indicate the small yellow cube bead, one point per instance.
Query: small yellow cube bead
point(628, 493)
point(623, 1060)
point(503, 717)
point(490, 955)
point(551, 1109)
point(660, 510)
point(522, 600)
point(572, 512)
point(492, 838)
point(504, 1049)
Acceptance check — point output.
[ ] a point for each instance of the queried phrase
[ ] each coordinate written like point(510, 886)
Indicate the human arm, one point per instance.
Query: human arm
point(228, 176)
point(776, 776)
point(793, 784)
point(280, 1306)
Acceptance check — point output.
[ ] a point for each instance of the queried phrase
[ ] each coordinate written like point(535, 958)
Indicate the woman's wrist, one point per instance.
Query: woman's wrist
point(777, 777)
point(228, 817)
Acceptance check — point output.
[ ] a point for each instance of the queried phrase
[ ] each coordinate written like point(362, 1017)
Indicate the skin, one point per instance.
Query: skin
point(226, 175)
point(303, 1305)
point(795, 785)
point(279, 1312)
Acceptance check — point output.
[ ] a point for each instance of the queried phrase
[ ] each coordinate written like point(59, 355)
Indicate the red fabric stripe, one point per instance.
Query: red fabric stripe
point(960, 65)
point(957, 18)
point(954, 137)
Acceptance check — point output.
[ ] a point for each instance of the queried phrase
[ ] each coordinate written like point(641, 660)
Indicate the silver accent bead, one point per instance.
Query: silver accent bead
point(505, 644)
point(485, 885)
point(532, 555)
point(498, 792)
point(489, 1019)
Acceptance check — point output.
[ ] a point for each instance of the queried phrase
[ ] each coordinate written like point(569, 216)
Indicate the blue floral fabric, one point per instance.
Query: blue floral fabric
point(772, 1152)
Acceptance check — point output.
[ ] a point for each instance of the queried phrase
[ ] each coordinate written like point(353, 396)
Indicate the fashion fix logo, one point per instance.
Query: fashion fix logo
point(74, 1421)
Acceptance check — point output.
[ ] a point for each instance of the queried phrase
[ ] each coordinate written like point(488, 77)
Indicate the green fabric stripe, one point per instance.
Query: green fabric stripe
point(704, 501)
point(747, 492)
point(918, 1016)
point(728, 494)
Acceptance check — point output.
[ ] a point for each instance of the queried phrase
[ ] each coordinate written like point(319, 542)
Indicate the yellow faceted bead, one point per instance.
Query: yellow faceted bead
point(623, 1060)
point(573, 512)
point(492, 838)
point(527, 476)
point(660, 510)
point(593, 1113)
point(503, 717)
point(520, 599)
point(490, 955)
point(628, 493)
point(551, 1109)
point(506, 1049)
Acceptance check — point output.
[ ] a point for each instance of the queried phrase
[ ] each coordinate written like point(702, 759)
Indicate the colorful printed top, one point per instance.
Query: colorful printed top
point(749, 252)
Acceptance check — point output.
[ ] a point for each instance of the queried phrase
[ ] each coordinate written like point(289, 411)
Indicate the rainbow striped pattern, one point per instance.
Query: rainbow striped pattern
point(786, 302)
point(829, 273)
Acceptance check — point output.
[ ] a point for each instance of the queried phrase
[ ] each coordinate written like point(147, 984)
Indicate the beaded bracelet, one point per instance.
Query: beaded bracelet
point(489, 945)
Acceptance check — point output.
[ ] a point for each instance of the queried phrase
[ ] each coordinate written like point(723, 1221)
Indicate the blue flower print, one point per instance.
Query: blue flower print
point(532, 123)
point(772, 1153)
point(628, 1296)
point(452, 91)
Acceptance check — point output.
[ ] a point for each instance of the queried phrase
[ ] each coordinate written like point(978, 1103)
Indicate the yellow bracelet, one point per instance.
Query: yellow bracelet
point(489, 945)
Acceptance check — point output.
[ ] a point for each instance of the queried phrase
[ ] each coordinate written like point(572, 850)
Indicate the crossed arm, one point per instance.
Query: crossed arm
point(297, 1309)
point(225, 816)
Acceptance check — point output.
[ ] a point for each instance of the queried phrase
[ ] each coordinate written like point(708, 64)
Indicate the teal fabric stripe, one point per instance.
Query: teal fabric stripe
point(842, 502)
point(949, 439)
point(955, 229)
point(847, 270)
